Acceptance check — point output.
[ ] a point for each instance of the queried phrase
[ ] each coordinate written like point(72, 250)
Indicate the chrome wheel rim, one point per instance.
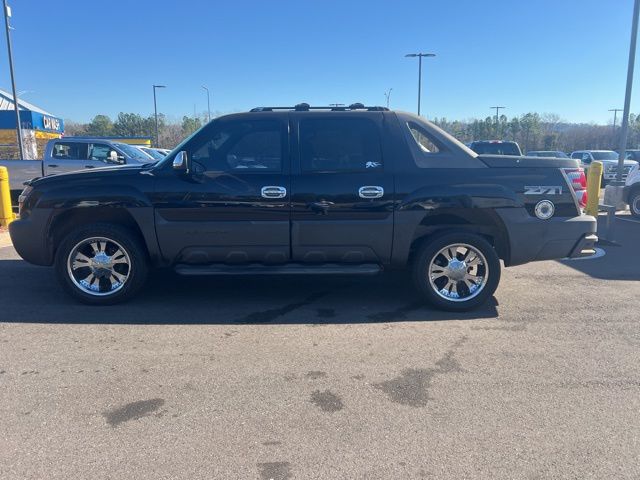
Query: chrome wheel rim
point(99, 266)
point(458, 272)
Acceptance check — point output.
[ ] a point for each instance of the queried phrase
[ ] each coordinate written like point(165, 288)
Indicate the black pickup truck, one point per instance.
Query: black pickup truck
point(308, 190)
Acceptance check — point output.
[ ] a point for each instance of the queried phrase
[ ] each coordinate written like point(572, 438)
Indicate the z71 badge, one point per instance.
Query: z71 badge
point(542, 190)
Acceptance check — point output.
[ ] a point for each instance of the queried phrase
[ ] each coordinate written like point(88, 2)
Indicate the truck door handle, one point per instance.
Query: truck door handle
point(273, 191)
point(370, 191)
point(88, 166)
point(52, 166)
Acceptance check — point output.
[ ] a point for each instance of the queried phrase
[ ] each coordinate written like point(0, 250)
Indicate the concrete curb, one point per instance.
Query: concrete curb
point(5, 239)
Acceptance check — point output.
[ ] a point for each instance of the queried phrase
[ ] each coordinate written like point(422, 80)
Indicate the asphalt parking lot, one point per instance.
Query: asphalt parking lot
point(278, 378)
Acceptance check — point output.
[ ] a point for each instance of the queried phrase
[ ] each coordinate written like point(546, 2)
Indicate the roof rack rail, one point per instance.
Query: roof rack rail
point(305, 107)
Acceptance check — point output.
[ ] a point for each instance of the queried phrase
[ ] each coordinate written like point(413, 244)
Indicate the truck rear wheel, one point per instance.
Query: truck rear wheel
point(456, 271)
point(101, 264)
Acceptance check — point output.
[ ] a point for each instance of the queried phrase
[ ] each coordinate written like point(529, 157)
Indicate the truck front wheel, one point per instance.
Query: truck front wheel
point(101, 264)
point(456, 271)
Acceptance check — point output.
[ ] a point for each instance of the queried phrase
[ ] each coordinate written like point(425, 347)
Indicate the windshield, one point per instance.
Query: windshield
point(154, 153)
point(497, 148)
point(605, 155)
point(135, 153)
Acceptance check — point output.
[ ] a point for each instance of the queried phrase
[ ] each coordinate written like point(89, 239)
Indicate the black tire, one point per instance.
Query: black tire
point(429, 288)
point(634, 203)
point(137, 265)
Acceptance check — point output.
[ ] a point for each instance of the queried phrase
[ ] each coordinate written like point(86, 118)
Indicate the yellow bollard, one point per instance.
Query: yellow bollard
point(6, 214)
point(594, 178)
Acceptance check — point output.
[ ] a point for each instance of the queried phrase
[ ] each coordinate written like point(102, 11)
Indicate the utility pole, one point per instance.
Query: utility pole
point(208, 105)
point(615, 118)
point(155, 110)
point(387, 95)
point(627, 96)
point(498, 119)
point(7, 15)
point(419, 55)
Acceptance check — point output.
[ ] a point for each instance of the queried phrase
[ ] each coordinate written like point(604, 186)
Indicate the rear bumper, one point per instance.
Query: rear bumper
point(30, 240)
point(532, 239)
point(585, 246)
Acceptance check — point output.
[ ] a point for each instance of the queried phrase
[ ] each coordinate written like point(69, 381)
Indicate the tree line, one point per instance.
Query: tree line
point(135, 125)
point(532, 131)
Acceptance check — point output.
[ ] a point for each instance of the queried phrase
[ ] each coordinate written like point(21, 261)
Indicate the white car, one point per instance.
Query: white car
point(154, 153)
point(631, 191)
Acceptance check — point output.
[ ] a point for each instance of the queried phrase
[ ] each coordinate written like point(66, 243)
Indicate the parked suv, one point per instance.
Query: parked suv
point(303, 190)
point(547, 154)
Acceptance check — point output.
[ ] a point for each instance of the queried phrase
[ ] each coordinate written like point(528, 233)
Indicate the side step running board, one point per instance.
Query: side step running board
point(287, 269)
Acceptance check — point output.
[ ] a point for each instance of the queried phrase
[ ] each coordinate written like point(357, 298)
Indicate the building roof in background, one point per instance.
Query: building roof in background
point(7, 103)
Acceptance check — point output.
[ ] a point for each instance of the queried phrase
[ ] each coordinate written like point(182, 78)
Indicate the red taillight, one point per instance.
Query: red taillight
point(578, 182)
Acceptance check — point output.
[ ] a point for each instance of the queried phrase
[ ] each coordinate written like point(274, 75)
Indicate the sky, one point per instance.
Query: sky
point(79, 58)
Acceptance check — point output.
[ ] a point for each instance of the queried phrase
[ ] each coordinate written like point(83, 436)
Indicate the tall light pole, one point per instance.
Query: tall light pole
point(615, 118)
point(208, 105)
point(7, 15)
point(627, 97)
point(497, 118)
point(155, 109)
point(419, 55)
point(387, 95)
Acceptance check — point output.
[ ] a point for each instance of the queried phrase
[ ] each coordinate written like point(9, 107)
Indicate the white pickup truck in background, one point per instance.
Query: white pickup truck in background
point(631, 193)
point(68, 154)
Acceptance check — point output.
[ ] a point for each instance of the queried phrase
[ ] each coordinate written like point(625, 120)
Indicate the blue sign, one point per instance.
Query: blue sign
point(31, 120)
point(40, 121)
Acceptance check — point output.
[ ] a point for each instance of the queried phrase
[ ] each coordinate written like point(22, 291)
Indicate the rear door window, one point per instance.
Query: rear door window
point(70, 151)
point(339, 145)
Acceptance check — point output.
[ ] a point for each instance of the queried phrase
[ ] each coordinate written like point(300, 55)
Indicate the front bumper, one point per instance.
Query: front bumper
point(532, 239)
point(29, 238)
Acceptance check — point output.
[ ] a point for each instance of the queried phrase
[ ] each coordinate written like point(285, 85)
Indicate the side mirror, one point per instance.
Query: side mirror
point(115, 158)
point(181, 162)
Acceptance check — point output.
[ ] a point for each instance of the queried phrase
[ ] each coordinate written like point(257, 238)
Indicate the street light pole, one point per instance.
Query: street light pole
point(615, 118)
point(419, 55)
point(387, 95)
point(7, 14)
point(497, 118)
point(208, 105)
point(155, 110)
point(627, 97)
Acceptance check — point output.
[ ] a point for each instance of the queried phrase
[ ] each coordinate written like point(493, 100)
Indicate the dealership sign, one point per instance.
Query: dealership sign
point(50, 123)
